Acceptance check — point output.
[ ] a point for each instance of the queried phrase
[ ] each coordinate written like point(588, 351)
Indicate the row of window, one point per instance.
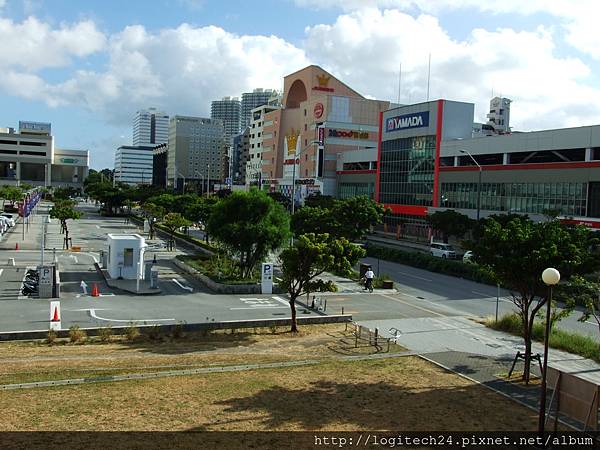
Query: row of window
point(533, 198)
point(349, 190)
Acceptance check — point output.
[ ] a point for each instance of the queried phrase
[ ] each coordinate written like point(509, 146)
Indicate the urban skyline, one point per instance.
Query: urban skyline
point(545, 61)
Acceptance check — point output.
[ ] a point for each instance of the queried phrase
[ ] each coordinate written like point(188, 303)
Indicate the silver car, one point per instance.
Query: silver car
point(441, 250)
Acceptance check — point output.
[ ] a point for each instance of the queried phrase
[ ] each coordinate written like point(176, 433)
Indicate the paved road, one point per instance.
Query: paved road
point(457, 296)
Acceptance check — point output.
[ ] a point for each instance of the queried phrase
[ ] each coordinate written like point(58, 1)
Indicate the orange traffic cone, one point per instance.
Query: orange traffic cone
point(95, 291)
point(55, 317)
point(17, 246)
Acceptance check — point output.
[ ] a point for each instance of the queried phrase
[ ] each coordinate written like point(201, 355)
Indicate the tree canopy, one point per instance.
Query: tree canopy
point(516, 253)
point(450, 223)
point(311, 256)
point(249, 224)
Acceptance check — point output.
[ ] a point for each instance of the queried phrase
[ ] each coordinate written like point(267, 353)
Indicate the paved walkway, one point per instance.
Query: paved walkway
point(480, 353)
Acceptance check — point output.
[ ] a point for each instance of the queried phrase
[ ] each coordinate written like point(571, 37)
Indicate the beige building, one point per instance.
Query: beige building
point(321, 118)
point(254, 171)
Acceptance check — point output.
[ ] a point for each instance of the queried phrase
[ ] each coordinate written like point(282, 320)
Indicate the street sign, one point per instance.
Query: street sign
point(46, 281)
point(267, 278)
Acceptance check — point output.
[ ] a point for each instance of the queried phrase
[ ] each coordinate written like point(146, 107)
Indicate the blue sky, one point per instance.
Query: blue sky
point(87, 66)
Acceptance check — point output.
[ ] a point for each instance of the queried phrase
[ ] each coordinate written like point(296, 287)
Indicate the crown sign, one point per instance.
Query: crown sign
point(323, 80)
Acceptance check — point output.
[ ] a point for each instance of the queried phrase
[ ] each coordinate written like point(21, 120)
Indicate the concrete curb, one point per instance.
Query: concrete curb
point(186, 327)
point(222, 288)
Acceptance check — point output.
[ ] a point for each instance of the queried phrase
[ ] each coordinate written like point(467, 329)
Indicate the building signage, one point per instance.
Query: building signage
point(69, 160)
point(349, 134)
point(318, 111)
point(289, 162)
point(407, 121)
point(308, 181)
point(321, 136)
point(41, 127)
point(322, 82)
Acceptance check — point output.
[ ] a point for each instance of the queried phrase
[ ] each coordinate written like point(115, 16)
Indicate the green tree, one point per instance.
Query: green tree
point(11, 193)
point(200, 212)
point(516, 254)
point(450, 223)
point(154, 214)
point(167, 201)
point(356, 215)
point(113, 197)
point(313, 220)
point(172, 222)
point(320, 201)
point(582, 291)
point(249, 225)
point(311, 256)
point(64, 210)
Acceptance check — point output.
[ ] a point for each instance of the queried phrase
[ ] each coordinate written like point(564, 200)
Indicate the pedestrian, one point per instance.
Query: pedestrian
point(369, 275)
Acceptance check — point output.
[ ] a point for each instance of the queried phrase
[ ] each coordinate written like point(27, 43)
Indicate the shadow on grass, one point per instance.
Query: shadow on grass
point(373, 406)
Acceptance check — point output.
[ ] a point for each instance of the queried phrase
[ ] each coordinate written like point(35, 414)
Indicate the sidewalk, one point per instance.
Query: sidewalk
point(346, 285)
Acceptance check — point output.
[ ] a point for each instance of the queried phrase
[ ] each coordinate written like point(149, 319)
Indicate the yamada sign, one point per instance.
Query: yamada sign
point(407, 121)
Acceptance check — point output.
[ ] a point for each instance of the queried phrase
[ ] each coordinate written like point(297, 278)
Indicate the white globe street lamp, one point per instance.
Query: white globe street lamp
point(550, 277)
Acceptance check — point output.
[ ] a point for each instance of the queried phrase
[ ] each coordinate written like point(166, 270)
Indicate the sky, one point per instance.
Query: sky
point(87, 66)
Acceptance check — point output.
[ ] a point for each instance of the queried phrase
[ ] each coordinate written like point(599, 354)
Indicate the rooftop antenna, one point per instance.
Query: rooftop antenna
point(399, 81)
point(428, 75)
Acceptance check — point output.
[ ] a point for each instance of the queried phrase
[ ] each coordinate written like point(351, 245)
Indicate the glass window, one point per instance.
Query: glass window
point(128, 257)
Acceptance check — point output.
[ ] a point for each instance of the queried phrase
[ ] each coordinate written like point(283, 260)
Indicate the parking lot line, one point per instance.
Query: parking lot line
point(261, 307)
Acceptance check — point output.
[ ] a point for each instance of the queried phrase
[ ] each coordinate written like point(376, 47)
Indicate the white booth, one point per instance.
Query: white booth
point(125, 255)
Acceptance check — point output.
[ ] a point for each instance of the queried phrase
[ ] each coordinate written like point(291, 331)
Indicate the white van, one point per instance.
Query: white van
point(441, 250)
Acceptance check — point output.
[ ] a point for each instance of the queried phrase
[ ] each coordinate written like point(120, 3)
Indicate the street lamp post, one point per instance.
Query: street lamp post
point(207, 179)
point(196, 172)
point(478, 183)
point(550, 277)
point(44, 222)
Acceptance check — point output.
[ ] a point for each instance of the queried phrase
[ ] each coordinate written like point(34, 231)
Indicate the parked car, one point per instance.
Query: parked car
point(441, 250)
point(8, 219)
point(12, 216)
point(467, 257)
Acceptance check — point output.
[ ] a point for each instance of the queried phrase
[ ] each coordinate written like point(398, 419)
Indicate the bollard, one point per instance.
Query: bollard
point(376, 335)
point(343, 312)
point(325, 307)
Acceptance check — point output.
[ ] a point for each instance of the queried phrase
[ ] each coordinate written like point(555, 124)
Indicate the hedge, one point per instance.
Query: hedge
point(471, 272)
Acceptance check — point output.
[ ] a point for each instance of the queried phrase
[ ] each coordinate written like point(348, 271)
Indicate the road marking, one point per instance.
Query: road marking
point(414, 276)
point(187, 288)
point(95, 316)
point(98, 226)
point(1, 270)
point(280, 300)
point(261, 307)
point(413, 305)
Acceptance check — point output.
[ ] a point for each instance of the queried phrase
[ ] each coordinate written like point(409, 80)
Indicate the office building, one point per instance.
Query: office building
point(159, 165)
point(241, 154)
point(250, 100)
point(196, 152)
point(30, 156)
point(133, 164)
point(150, 127)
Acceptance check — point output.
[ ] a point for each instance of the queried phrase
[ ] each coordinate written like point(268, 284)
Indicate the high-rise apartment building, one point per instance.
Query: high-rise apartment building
point(150, 126)
point(227, 110)
point(196, 152)
point(254, 99)
point(253, 170)
point(240, 155)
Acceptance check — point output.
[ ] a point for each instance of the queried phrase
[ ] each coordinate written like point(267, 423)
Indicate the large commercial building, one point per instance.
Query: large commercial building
point(29, 156)
point(133, 164)
point(150, 127)
point(429, 161)
point(321, 119)
point(250, 100)
point(240, 156)
point(196, 152)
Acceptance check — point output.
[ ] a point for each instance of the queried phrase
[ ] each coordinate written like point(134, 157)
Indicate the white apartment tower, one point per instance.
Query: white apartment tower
point(254, 99)
point(254, 164)
point(150, 127)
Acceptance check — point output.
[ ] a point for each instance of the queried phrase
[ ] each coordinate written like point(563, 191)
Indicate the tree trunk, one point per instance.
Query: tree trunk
point(294, 328)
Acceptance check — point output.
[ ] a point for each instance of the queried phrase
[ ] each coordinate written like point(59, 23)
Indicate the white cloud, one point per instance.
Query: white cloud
point(577, 17)
point(366, 47)
point(33, 45)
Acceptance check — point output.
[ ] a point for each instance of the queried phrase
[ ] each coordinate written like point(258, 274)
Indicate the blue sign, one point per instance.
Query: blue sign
point(407, 121)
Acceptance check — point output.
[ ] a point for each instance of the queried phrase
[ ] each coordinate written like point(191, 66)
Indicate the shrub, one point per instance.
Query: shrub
point(52, 336)
point(76, 334)
point(105, 334)
point(471, 272)
point(574, 343)
point(273, 328)
point(132, 332)
point(155, 333)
